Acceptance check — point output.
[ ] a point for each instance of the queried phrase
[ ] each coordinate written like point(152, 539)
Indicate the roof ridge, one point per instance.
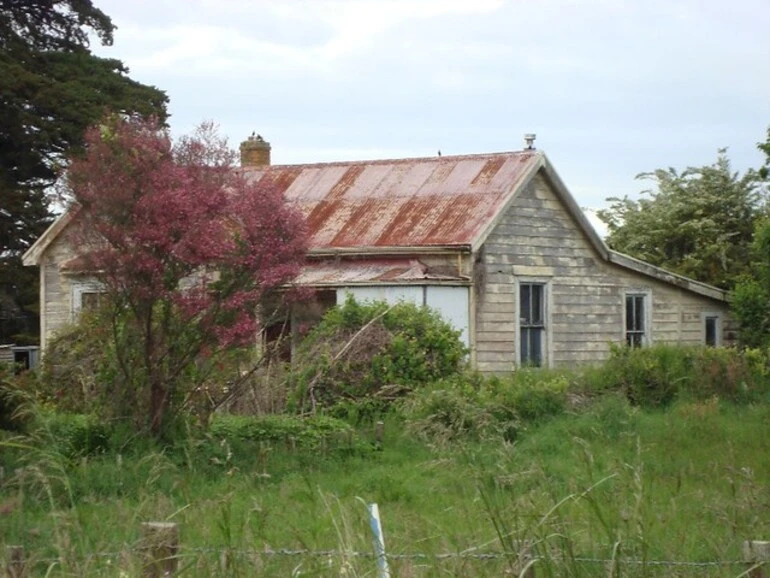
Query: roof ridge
point(439, 158)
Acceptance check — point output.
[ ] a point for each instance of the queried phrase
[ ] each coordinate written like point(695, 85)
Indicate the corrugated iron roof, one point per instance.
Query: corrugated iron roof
point(437, 201)
point(352, 271)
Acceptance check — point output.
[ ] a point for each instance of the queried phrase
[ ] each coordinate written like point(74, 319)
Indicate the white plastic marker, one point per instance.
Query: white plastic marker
point(379, 541)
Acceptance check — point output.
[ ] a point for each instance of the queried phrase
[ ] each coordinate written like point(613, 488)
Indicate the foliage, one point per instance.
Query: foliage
point(456, 409)
point(751, 299)
point(309, 432)
point(657, 376)
point(533, 394)
point(73, 435)
point(14, 399)
point(470, 407)
point(764, 170)
point(78, 372)
point(652, 493)
point(375, 350)
point(698, 223)
point(186, 249)
point(53, 88)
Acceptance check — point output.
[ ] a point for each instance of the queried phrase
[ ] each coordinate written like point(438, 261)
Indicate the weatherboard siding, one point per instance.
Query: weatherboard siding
point(537, 240)
point(56, 298)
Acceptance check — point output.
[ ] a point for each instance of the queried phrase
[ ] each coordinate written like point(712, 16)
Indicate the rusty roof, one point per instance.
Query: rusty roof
point(424, 202)
point(366, 271)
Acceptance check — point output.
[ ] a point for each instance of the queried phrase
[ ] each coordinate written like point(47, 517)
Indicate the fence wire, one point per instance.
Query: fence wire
point(408, 556)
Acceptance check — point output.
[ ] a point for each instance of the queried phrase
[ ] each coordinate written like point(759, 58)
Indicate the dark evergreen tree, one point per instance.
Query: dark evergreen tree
point(51, 89)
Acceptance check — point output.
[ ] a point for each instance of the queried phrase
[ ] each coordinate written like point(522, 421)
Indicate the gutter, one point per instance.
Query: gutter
point(389, 251)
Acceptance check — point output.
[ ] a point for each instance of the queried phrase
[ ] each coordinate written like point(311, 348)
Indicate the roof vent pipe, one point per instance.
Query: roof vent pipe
point(529, 138)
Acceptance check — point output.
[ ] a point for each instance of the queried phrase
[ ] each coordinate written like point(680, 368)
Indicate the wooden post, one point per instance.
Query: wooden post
point(16, 565)
point(160, 545)
point(524, 566)
point(756, 555)
point(379, 431)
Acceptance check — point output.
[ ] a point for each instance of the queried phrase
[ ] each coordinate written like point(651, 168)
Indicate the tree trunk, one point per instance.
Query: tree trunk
point(158, 407)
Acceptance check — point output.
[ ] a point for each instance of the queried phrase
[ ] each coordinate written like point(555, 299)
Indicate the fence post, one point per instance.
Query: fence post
point(16, 564)
point(756, 554)
point(379, 430)
point(379, 542)
point(525, 560)
point(160, 546)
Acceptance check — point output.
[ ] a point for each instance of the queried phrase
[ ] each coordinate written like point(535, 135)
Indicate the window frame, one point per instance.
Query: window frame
point(646, 332)
point(705, 316)
point(79, 288)
point(546, 344)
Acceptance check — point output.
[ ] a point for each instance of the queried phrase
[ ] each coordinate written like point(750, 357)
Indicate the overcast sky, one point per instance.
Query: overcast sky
point(611, 87)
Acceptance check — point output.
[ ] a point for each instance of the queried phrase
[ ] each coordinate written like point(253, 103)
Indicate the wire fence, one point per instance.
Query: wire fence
point(185, 552)
point(159, 552)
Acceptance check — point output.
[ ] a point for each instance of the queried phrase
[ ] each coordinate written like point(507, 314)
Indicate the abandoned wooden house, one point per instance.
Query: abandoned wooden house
point(494, 242)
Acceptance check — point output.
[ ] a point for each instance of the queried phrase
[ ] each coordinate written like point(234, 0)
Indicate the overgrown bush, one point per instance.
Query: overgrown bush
point(656, 376)
point(308, 432)
point(15, 401)
point(533, 394)
point(454, 409)
point(81, 374)
point(471, 407)
point(360, 350)
point(78, 368)
point(73, 435)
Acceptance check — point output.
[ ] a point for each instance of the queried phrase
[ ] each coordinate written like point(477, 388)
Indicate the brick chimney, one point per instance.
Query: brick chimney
point(255, 152)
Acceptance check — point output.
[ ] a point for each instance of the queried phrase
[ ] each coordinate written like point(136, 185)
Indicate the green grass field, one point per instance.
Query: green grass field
point(600, 490)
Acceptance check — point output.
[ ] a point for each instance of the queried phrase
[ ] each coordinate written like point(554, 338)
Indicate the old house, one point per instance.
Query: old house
point(494, 242)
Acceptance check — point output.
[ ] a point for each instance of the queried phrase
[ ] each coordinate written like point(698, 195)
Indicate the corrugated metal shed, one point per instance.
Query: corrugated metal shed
point(439, 201)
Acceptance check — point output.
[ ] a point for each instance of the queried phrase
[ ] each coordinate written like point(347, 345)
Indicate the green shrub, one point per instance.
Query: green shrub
point(78, 370)
point(361, 351)
point(459, 407)
point(656, 376)
point(444, 415)
point(361, 411)
point(532, 394)
point(651, 376)
point(15, 399)
point(73, 435)
point(308, 432)
point(736, 375)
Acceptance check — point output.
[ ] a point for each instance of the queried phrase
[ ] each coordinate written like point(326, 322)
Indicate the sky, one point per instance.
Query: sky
point(611, 88)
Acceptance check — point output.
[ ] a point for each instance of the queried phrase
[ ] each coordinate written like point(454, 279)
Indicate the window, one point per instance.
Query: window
point(711, 330)
point(636, 320)
point(90, 300)
point(87, 295)
point(532, 324)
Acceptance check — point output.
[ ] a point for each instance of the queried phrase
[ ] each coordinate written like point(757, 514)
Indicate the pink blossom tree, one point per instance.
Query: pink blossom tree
point(187, 250)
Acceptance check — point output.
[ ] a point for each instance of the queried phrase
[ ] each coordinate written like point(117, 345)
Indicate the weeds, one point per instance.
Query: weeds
point(475, 477)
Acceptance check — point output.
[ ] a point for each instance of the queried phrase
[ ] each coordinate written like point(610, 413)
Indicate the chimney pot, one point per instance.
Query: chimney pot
point(255, 151)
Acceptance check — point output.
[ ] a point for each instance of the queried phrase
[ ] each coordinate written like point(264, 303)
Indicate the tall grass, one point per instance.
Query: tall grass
point(474, 477)
point(612, 483)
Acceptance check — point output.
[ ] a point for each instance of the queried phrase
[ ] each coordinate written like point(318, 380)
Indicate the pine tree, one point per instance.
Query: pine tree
point(53, 88)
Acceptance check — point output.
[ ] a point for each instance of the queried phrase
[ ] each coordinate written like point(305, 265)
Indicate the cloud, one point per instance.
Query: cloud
point(611, 88)
point(251, 37)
